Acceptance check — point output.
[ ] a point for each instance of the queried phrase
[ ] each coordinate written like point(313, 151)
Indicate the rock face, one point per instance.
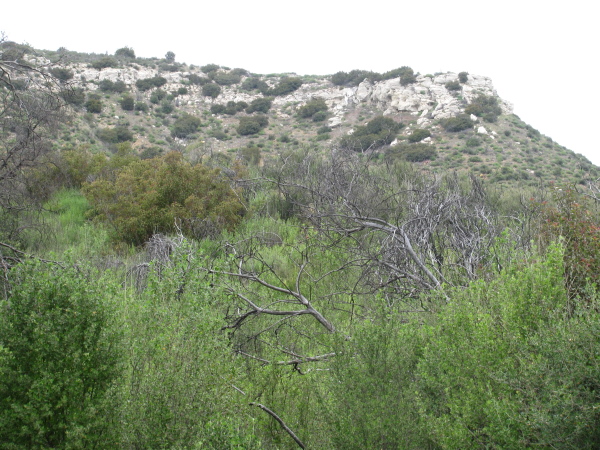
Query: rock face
point(428, 97)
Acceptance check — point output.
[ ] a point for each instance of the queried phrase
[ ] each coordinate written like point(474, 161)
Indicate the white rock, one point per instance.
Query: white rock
point(482, 130)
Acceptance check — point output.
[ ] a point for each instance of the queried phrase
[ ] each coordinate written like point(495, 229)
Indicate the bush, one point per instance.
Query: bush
point(252, 124)
point(61, 73)
point(354, 77)
point(115, 135)
point(217, 108)
point(185, 125)
point(251, 155)
point(261, 104)
point(418, 135)
point(225, 78)
point(453, 86)
point(198, 80)
point(74, 96)
point(378, 132)
point(485, 107)
point(311, 107)
point(105, 62)
point(60, 352)
point(211, 90)
point(319, 116)
point(463, 77)
point(157, 96)
point(125, 52)
point(458, 123)
point(109, 86)
point(286, 86)
point(412, 152)
point(146, 84)
point(141, 106)
point(254, 83)
point(154, 195)
point(210, 68)
point(94, 104)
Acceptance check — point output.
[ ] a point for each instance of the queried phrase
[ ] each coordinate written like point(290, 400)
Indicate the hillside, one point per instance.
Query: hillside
point(151, 98)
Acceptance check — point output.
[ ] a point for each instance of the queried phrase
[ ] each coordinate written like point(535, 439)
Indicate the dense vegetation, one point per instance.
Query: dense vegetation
point(156, 293)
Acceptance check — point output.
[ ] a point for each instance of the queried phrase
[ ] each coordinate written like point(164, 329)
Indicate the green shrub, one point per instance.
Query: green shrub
point(485, 107)
point(225, 78)
point(458, 123)
point(261, 104)
point(62, 73)
point(154, 195)
point(418, 135)
point(94, 104)
point(251, 155)
point(320, 116)
point(286, 86)
point(210, 68)
point(141, 106)
point(311, 107)
point(254, 83)
point(252, 124)
point(114, 135)
point(412, 152)
point(125, 52)
point(473, 141)
point(217, 108)
point(74, 96)
point(211, 90)
point(146, 84)
point(463, 77)
point(105, 62)
point(376, 133)
point(60, 353)
point(166, 107)
point(109, 86)
point(453, 85)
point(157, 96)
point(185, 125)
point(198, 80)
point(354, 77)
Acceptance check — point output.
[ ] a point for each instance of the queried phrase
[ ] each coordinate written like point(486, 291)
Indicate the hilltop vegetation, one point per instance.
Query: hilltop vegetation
point(200, 257)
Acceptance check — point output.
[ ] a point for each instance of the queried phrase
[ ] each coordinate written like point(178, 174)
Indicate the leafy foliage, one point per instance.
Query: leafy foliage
point(185, 125)
point(376, 133)
point(458, 123)
point(286, 86)
point(453, 86)
point(125, 52)
point(94, 104)
point(312, 107)
point(211, 90)
point(104, 63)
point(486, 107)
point(261, 104)
point(252, 124)
point(62, 73)
point(155, 195)
point(115, 135)
point(145, 84)
point(418, 135)
point(60, 353)
point(110, 86)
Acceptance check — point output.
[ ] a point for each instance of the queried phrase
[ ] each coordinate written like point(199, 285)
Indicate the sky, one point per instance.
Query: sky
point(542, 56)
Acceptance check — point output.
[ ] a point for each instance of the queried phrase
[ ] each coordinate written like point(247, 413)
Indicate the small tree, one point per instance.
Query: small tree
point(170, 57)
point(211, 90)
point(125, 52)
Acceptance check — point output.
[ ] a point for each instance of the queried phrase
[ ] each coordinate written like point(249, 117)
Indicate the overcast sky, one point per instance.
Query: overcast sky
point(542, 56)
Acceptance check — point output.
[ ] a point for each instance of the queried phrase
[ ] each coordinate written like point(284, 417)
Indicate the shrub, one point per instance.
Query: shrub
point(453, 86)
point(354, 77)
point(60, 353)
point(157, 96)
point(261, 104)
point(105, 62)
point(319, 116)
point(125, 52)
point(412, 152)
point(376, 133)
point(170, 57)
point(240, 72)
point(185, 125)
point(254, 83)
point(408, 77)
point(141, 106)
point(463, 77)
point(485, 107)
point(286, 86)
point(74, 96)
point(252, 124)
point(251, 155)
point(61, 73)
point(198, 80)
point(211, 90)
point(225, 78)
point(94, 104)
point(109, 86)
point(115, 135)
point(458, 123)
point(311, 107)
point(217, 108)
point(182, 91)
point(146, 84)
point(418, 135)
point(210, 68)
point(166, 107)
point(155, 195)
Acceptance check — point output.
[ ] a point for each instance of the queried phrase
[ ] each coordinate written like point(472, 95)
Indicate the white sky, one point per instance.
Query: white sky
point(542, 56)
